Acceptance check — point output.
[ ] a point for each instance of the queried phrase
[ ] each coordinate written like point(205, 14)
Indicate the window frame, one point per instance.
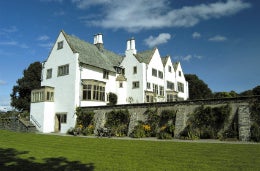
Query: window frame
point(135, 70)
point(60, 45)
point(154, 72)
point(49, 73)
point(63, 70)
point(180, 87)
point(160, 74)
point(135, 84)
point(93, 90)
point(105, 74)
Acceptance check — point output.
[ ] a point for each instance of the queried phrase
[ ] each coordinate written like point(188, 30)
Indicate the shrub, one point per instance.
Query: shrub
point(153, 120)
point(206, 122)
point(138, 131)
point(112, 98)
point(255, 117)
point(84, 118)
point(166, 132)
point(89, 130)
point(255, 132)
point(118, 121)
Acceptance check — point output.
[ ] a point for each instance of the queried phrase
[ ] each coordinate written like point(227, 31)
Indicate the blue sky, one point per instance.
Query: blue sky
point(218, 40)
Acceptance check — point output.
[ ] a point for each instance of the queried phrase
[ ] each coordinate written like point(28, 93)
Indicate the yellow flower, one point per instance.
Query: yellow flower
point(90, 126)
point(163, 128)
point(147, 127)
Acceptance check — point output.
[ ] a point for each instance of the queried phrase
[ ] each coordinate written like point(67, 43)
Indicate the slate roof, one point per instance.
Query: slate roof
point(90, 54)
point(175, 65)
point(164, 60)
point(145, 56)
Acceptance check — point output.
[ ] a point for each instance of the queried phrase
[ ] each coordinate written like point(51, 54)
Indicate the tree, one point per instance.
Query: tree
point(225, 94)
point(21, 94)
point(256, 90)
point(197, 88)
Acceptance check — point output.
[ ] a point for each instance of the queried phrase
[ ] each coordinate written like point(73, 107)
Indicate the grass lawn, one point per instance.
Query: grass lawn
point(26, 151)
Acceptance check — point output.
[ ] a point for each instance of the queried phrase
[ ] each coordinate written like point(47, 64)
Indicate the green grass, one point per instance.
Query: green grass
point(25, 151)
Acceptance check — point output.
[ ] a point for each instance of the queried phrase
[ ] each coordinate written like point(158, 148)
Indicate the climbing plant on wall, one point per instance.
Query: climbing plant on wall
point(255, 117)
point(206, 122)
point(118, 122)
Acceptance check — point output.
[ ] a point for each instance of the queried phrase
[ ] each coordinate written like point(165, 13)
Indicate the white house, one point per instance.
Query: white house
point(78, 74)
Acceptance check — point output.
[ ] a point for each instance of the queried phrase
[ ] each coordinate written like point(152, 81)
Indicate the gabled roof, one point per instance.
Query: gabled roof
point(175, 65)
point(164, 60)
point(91, 55)
point(145, 56)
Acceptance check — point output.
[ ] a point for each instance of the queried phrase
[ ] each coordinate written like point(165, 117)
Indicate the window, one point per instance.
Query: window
point(180, 73)
point(60, 45)
point(169, 68)
point(136, 84)
point(63, 70)
point(149, 98)
point(161, 91)
point(45, 94)
point(160, 74)
point(135, 70)
point(120, 70)
point(105, 74)
point(49, 73)
point(170, 85)
point(87, 92)
point(63, 118)
point(120, 84)
point(93, 90)
point(154, 72)
point(148, 85)
point(50, 96)
point(180, 87)
point(155, 88)
point(170, 97)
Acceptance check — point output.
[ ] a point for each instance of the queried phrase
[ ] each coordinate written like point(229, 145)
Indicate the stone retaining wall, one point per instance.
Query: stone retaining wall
point(183, 110)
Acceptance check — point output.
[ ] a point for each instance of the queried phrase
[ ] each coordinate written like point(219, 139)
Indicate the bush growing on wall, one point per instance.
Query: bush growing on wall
point(85, 121)
point(161, 126)
point(118, 122)
point(255, 117)
point(206, 122)
point(167, 124)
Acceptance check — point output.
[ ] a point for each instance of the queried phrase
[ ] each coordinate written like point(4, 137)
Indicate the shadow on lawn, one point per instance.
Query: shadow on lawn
point(10, 161)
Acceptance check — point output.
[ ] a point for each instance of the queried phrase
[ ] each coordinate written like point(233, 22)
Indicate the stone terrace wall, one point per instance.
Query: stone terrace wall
point(239, 105)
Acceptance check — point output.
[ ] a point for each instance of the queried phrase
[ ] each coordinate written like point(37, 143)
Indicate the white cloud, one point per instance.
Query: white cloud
point(196, 35)
point(160, 39)
point(143, 14)
point(2, 82)
point(43, 38)
point(11, 29)
point(9, 43)
point(187, 58)
point(218, 38)
point(47, 45)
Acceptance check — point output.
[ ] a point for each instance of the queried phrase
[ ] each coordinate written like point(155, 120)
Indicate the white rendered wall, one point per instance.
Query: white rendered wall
point(181, 79)
point(156, 63)
point(43, 113)
point(136, 94)
point(65, 87)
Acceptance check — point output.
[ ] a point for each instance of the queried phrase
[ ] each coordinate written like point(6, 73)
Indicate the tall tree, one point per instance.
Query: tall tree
point(21, 94)
point(197, 88)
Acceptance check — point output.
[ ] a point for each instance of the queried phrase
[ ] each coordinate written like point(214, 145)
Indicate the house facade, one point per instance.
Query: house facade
point(78, 74)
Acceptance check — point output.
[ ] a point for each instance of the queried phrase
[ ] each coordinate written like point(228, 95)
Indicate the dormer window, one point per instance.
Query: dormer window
point(60, 45)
